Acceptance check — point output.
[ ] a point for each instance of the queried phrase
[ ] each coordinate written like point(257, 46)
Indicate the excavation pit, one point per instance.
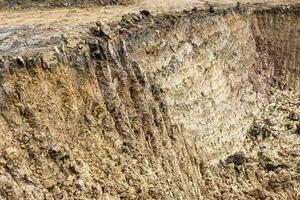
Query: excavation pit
point(190, 104)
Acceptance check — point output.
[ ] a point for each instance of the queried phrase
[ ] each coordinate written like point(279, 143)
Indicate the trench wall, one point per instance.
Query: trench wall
point(138, 110)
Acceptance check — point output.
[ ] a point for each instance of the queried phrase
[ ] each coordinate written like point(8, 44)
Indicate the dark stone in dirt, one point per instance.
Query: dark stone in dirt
point(290, 126)
point(20, 61)
point(145, 13)
point(238, 158)
point(195, 9)
point(58, 152)
point(272, 166)
point(102, 30)
point(211, 9)
point(294, 116)
point(97, 51)
point(273, 82)
point(257, 131)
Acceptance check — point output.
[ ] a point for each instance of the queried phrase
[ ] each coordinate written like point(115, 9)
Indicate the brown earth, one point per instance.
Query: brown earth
point(42, 4)
point(198, 103)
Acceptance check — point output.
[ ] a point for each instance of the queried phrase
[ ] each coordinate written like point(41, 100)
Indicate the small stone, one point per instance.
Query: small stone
point(3, 161)
point(290, 126)
point(12, 153)
point(77, 193)
point(60, 195)
point(21, 61)
point(103, 30)
point(270, 122)
point(257, 131)
point(59, 152)
point(26, 137)
point(80, 183)
point(89, 118)
point(211, 9)
point(195, 9)
point(294, 117)
point(238, 158)
point(145, 12)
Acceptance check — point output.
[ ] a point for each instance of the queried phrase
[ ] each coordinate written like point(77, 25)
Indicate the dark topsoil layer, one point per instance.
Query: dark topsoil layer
point(138, 28)
point(26, 4)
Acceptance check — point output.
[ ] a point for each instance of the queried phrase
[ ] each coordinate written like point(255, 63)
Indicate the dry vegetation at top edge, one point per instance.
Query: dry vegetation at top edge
point(25, 4)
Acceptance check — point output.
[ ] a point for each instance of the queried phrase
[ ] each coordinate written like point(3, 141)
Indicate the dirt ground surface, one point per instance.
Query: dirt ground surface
point(76, 16)
point(51, 25)
point(40, 4)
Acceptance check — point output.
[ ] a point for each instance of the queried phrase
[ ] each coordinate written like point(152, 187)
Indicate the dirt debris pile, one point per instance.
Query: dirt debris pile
point(192, 104)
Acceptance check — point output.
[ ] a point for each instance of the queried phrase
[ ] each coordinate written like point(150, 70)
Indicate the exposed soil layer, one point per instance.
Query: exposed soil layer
point(267, 167)
point(196, 104)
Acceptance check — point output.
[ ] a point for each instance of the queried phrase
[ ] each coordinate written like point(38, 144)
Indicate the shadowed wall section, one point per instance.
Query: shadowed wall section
point(277, 35)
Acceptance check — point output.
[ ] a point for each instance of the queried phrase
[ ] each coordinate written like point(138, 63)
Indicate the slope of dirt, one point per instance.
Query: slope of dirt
point(267, 167)
point(278, 49)
point(194, 104)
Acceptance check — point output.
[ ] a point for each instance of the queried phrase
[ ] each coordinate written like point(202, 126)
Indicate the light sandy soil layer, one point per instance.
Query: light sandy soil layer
point(193, 104)
point(267, 167)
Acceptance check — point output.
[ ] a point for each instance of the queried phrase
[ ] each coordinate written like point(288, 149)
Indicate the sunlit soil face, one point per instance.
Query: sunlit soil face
point(157, 104)
point(268, 164)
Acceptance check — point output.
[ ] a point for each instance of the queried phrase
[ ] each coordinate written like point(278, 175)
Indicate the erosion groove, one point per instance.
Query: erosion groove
point(168, 106)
